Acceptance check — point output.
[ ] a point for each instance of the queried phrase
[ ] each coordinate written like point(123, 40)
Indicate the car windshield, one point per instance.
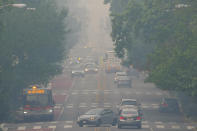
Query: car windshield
point(129, 103)
point(37, 100)
point(91, 66)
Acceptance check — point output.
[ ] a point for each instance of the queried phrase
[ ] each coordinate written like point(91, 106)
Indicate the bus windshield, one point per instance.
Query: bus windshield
point(37, 100)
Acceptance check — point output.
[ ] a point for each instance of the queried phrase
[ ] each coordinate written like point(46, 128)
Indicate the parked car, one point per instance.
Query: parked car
point(129, 117)
point(97, 117)
point(169, 105)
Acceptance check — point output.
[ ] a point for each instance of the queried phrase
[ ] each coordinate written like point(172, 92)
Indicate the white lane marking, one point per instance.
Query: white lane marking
point(107, 104)
point(69, 106)
point(52, 127)
point(82, 105)
point(68, 126)
point(94, 92)
point(175, 127)
point(190, 127)
point(158, 122)
point(160, 126)
point(145, 126)
point(37, 127)
point(143, 106)
point(69, 122)
point(57, 107)
point(21, 128)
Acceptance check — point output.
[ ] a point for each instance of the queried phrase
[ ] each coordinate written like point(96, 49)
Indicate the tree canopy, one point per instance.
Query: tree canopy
point(32, 43)
point(160, 37)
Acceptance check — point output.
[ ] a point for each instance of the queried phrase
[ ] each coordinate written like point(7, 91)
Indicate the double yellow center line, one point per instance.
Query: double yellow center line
point(101, 85)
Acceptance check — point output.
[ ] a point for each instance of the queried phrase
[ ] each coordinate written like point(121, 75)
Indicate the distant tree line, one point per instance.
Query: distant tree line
point(32, 47)
point(158, 36)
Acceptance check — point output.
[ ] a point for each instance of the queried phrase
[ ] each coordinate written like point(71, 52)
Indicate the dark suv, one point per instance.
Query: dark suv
point(169, 105)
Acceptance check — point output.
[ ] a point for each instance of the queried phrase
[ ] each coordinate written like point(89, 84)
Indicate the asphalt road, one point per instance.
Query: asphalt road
point(99, 90)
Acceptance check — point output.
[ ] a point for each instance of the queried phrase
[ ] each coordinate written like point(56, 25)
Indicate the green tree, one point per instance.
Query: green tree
point(32, 49)
point(159, 36)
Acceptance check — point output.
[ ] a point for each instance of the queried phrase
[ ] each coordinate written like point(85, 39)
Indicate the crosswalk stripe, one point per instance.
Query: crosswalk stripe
point(83, 106)
point(57, 107)
point(21, 128)
point(67, 126)
point(190, 127)
point(145, 126)
point(53, 127)
point(69, 106)
point(37, 127)
point(69, 122)
point(160, 126)
point(175, 127)
point(158, 122)
point(74, 93)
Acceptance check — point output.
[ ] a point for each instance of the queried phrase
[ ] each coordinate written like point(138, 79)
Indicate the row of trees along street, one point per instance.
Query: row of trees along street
point(158, 36)
point(32, 47)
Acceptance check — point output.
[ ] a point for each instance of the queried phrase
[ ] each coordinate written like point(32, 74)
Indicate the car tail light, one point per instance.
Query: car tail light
point(138, 118)
point(122, 118)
